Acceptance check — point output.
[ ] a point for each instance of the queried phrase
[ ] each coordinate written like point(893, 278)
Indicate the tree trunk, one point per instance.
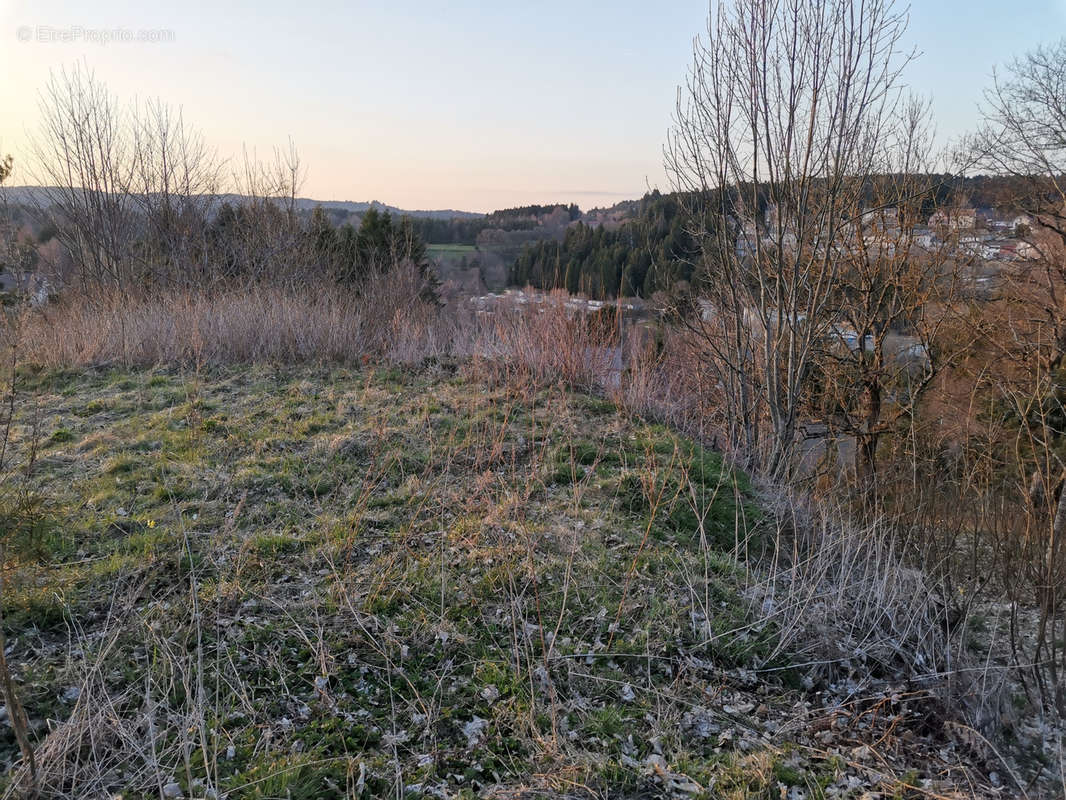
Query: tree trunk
point(867, 438)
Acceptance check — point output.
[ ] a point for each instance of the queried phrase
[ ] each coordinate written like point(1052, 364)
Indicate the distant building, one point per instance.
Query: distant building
point(999, 250)
point(924, 238)
point(849, 337)
point(955, 219)
point(1026, 250)
point(32, 285)
point(887, 218)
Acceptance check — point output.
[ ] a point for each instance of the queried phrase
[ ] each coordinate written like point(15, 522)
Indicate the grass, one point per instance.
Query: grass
point(450, 249)
point(333, 583)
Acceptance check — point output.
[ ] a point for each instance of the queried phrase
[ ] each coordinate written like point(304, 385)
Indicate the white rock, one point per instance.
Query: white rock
point(474, 730)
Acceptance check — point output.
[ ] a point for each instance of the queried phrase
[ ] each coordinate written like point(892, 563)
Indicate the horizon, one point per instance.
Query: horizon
point(468, 109)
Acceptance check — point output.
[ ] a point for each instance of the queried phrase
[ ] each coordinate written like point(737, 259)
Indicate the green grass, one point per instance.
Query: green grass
point(366, 575)
point(451, 249)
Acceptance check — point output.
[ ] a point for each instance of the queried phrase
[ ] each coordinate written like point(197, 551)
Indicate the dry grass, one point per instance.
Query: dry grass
point(508, 477)
point(329, 583)
point(387, 320)
point(846, 605)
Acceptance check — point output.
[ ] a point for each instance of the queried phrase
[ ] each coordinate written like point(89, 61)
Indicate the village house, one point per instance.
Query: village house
point(924, 238)
point(955, 219)
point(883, 218)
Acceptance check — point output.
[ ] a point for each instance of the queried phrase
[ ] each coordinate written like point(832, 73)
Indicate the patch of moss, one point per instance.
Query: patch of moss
point(61, 436)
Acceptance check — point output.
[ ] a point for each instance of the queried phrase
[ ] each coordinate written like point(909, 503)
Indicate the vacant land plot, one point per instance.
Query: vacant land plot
point(309, 583)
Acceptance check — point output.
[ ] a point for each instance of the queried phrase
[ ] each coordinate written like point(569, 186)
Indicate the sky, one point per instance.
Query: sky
point(459, 104)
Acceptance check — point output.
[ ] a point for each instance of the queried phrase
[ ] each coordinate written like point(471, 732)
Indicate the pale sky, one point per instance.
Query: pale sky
point(455, 104)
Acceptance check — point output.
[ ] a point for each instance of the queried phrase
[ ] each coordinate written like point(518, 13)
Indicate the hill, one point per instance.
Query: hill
point(352, 207)
point(633, 248)
point(313, 583)
point(639, 247)
point(23, 195)
point(478, 253)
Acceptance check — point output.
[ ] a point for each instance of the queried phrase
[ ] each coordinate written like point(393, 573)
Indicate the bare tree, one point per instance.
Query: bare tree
point(777, 131)
point(1024, 136)
point(268, 243)
point(12, 488)
point(128, 188)
point(890, 304)
point(176, 184)
point(84, 161)
point(135, 193)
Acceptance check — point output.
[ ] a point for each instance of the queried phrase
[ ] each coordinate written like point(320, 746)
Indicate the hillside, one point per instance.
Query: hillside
point(24, 195)
point(635, 248)
point(307, 583)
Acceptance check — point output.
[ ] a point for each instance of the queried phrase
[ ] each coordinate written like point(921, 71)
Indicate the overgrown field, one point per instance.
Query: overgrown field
point(307, 583)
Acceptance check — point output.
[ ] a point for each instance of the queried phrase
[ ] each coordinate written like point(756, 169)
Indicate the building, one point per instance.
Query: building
point(954, 219)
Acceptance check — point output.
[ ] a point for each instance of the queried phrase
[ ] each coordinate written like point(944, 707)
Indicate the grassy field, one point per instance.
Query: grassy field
point(323, 583)
point(450, 249)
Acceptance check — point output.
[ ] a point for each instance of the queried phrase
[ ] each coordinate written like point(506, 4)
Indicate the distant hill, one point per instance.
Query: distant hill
point(487, 246)
point(359, 207)
point(24, 195)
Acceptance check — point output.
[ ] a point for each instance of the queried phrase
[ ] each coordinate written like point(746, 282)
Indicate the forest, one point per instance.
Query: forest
point(651, 252)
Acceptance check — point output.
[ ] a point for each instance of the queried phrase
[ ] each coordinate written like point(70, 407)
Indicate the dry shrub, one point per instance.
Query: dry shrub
point(105, 735)
point(388, 320)
point(660, 375)
point(320, 323)
point(670, 382)
point(845, 606)
point(546, 343)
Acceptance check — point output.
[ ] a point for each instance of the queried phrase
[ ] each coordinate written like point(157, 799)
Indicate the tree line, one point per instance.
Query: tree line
point(658, 247)
point(651, 252)
point(461, 230)
point(136, 200)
